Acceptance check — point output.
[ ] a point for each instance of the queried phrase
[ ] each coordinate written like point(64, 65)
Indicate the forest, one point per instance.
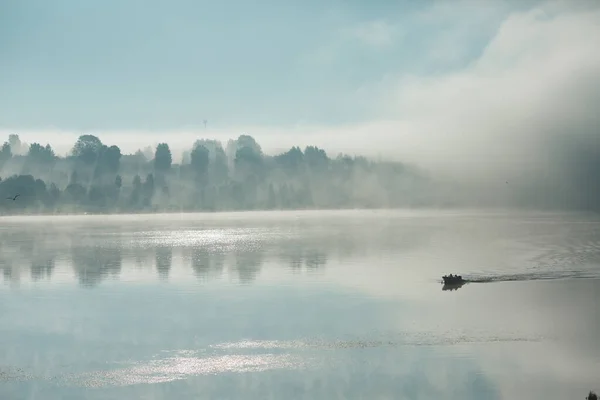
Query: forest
point(95, 177)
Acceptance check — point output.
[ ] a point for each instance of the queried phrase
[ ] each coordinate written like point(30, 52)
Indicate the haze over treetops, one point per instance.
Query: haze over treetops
point(97, 177)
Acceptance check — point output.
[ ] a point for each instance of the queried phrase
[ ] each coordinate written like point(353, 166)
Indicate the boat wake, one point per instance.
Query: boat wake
point(533, 276)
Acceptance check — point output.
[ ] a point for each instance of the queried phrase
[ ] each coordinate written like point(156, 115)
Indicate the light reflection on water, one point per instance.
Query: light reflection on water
point(316, 305)
point(182, 367)
point(177, 365)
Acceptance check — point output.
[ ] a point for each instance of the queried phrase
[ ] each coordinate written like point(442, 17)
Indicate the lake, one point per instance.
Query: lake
point(300, 305)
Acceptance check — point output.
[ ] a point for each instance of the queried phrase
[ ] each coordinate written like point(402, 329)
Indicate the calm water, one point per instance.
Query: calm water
point(307, 305)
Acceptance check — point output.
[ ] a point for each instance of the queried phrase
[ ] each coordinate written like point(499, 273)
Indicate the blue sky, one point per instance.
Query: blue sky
point(463, 82)
point(114, 64)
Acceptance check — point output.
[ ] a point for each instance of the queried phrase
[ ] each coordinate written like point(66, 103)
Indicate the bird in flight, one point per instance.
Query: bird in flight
point(13, 198)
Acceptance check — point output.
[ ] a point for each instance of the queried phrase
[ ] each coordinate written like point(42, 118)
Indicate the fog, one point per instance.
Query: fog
point(517, 126)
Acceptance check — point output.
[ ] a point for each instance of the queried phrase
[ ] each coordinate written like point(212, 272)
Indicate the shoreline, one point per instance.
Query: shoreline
point(441, 210)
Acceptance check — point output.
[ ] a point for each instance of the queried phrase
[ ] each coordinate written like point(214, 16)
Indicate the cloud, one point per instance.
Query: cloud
point(453, 31)
point(503, 115)
point(537, 78)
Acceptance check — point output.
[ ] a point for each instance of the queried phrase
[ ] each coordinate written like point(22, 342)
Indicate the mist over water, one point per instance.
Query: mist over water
point(293, 304)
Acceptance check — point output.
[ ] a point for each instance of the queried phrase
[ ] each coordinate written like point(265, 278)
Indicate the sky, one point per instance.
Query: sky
point(437, 82)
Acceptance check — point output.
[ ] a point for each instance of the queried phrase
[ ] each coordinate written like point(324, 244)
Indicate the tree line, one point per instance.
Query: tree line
point(98, 178)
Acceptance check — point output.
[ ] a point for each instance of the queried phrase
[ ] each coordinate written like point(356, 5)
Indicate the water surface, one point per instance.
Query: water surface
point(300, 305)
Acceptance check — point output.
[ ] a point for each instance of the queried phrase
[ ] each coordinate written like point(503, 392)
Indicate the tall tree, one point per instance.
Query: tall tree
point(41, 154)
point(5, 154)
point(248, 162)
point(87, 149)
point(291, 160)
point(162, 158)
point(136, 192)
point(248, 141)
point(118, 181)
point(199, 161)
point(110, 159)
point(242, 141)
point(15, 143)
point(315, 157)
point(148, 189)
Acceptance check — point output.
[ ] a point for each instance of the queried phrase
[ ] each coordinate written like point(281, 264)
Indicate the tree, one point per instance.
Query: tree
point(290, 160)
point(41, 154)
point(5, 154)
point(248, 141)
point(97, 197)
point(247, 155)
point(74, 177)
point(87, 149)
point(162, 158)
point(109, 161)
point(148, 189)
point(213, 146)
point(136, 193)
point(141, 156)
point(24, 185)
point(248, 163)
point(242, 141)
point(53, 194)
point(315, 157)
point(137, 182)
point(102, 176)
point(135, 162)
point(111, 158)
point(220, 169)
point(75, 193)
point(49, 152)
point(15, 143)
point(200, 160)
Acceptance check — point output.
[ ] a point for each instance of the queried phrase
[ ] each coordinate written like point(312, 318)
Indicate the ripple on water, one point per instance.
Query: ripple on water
point(265, 355)
point(180, 367)
point(14, 374)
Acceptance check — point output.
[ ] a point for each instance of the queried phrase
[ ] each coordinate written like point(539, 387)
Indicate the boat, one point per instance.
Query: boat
point(453, 280)
point(453, 286)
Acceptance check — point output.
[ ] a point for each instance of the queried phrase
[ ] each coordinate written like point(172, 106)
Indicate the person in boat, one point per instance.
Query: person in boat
point(450, 279)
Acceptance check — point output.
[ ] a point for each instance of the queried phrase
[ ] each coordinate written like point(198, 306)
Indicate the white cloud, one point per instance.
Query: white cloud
point(539, 76)
point(453, 29)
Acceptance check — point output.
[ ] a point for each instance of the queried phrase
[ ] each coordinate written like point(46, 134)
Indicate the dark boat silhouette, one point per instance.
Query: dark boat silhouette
point(453, 280)
point(453, 286)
